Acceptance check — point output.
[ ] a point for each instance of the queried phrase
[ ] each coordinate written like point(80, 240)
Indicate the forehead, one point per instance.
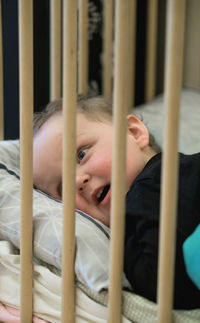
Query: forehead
point(49, 136)
point(53, 123)
point(51, 131)
point(86, 121)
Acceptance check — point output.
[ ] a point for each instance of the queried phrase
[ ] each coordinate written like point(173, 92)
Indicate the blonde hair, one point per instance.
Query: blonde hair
point(94, 108)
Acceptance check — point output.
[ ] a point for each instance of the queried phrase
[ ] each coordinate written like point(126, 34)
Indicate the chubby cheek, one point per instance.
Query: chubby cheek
point(101, 165)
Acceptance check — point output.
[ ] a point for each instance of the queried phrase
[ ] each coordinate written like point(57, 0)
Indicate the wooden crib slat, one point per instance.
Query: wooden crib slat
point(107, 48)
point(119, 151)
point(55, 49)
point(191, 71)
point(69, 157)
point(83, 47)
point(173, 82)
point(26, 169)
point(1, 80)
point(150, 84)
point(131, 52)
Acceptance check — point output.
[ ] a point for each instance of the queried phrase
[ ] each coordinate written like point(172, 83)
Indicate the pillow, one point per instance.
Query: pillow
point(153, 116)
point(92, 237)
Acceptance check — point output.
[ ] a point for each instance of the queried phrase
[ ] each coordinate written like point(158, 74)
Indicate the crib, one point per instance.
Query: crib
point(67, 300)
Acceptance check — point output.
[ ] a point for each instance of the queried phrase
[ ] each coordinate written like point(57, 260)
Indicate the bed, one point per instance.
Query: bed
point(92, 249)
point(153, 115)
point(92, 266)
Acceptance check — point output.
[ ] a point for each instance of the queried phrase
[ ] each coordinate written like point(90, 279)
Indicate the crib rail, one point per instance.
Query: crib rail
point(26, 154)
point(83, 47)
point(69, 157)
point(150, 85)
point(120, 85)
point(120, 104)
point(107, 66)
point(173, 84)
point(1, 81)
point(55, 50)
point(131, 39)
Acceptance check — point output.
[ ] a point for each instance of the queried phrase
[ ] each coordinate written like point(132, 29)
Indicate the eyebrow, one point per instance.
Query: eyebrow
point(81, 134)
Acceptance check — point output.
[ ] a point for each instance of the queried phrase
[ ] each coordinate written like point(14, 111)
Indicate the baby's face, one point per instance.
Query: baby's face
point(94, 161)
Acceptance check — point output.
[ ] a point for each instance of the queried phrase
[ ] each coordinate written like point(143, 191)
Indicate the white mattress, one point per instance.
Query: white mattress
point(189, 129)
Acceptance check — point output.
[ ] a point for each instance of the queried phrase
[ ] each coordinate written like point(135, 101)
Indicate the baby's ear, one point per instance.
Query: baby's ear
point(138, 130)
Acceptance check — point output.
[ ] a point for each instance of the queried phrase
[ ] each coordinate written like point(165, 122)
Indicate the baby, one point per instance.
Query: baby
point(93, 182)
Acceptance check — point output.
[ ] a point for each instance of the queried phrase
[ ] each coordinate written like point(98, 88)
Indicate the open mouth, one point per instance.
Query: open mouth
point(102, 193)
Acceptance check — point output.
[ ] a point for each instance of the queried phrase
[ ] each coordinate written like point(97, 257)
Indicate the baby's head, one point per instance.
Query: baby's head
point(94, 153)
point(94, 108)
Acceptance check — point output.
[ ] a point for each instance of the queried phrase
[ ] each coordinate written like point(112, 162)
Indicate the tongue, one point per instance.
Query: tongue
point(104, 193)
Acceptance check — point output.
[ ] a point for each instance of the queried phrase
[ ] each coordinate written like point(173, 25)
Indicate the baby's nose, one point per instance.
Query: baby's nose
point(81, 181)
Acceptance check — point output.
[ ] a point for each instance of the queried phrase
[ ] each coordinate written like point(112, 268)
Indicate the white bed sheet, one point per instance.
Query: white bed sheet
point(47, 291)
point(90, 307)
point(153, 114)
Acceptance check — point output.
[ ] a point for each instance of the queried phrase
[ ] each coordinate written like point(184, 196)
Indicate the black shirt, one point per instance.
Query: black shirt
point(142, 229)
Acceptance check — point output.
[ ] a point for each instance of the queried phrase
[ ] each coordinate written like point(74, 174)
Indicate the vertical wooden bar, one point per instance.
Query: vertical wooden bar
point(150, 84)
point(191, 63)
point(55, 50)
point(119, 159)
point(108, 48)
point(83, 47)
point(1, 80)
point(26, 169)
point(69, 157)
point(131, 52)
point(174, 58)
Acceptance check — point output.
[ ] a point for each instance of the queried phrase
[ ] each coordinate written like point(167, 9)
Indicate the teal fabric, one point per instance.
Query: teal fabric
point(191, 251)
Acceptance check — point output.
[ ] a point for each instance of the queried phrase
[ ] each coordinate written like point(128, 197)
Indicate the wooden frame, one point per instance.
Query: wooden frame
point(120, 87)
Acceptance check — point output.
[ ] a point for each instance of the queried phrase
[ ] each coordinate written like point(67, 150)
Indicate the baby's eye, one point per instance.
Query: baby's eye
point(81, 154)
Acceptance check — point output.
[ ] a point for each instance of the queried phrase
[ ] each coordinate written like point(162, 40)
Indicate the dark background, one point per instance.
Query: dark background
point(41, 57)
